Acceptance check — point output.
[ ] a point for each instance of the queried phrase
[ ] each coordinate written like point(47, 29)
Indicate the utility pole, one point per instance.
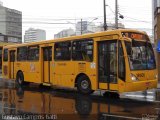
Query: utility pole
point(116, 14)
point(104, 5)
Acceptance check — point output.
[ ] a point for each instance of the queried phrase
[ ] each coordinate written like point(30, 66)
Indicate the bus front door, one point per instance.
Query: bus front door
point(12, 60)
point(47, 58)
point(107, 65)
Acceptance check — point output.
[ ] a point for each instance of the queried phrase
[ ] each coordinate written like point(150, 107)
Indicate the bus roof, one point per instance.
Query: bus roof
point(2, 44)
point(90, 35)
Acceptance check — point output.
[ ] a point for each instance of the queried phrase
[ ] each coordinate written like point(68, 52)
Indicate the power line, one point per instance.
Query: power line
point(130, 17)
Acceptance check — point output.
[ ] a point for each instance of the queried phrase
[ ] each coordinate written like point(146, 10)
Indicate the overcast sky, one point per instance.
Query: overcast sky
point(137, 13)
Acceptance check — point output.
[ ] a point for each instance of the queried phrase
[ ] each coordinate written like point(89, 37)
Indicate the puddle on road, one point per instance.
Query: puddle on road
point(61, 104)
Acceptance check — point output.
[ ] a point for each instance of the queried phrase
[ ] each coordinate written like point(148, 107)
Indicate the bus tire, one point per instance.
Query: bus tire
point(20, 78)
point(84, 85)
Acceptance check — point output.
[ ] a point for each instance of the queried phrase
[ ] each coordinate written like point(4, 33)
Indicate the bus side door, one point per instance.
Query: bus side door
point(47, 59)
point(107, 65)
point(63, 66)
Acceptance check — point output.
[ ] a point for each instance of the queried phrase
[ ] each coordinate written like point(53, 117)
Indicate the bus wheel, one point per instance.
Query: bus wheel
point(20, 78)
point(84, 85)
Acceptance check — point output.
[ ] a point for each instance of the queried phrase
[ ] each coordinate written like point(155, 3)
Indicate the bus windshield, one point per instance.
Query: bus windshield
point(140, 55)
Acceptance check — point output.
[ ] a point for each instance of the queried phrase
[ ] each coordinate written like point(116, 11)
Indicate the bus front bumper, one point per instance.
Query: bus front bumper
point(141, 85)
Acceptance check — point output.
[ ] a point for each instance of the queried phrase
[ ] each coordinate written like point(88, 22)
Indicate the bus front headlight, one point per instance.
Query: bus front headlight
point(134, 78)
point(156, 76)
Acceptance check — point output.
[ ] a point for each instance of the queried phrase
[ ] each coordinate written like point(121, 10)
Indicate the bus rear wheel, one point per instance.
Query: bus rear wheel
point(20, 78)
point(84, 85)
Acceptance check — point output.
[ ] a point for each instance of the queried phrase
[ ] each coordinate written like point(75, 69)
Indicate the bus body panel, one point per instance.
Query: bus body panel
point(31, 71)
point(121, 86)
point(112, 87)
point(5, 70)
point(140, 85)
point(63, 73)
point(143, 75)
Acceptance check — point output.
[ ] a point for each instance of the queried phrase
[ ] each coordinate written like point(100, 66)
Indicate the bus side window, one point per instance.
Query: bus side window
point(33, 53)
point(5, 55)
point(82, 50)
point(22, 54)
point(121, 62)
point(62, 51)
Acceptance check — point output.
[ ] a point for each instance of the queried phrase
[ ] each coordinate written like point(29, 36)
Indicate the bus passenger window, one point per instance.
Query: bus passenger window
point(82, 50)
point(21, 53)
point(5, 55)
point(62, 51)
point(33, 53)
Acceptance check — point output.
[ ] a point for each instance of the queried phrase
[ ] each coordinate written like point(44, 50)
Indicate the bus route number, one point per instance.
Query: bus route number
point(140, 75)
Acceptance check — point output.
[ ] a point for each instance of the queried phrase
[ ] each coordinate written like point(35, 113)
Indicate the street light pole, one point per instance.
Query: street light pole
point(116, 14)
point(81, 26)
point(82, 30)
point(104, 5)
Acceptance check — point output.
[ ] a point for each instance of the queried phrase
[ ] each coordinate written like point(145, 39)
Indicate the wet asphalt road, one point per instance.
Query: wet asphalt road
point(34, 102)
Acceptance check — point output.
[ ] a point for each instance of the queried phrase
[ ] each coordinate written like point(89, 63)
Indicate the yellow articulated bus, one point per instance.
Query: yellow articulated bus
point(118, 61)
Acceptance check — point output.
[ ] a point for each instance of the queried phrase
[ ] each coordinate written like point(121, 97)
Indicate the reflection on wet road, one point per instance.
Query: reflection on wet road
point(69, 105)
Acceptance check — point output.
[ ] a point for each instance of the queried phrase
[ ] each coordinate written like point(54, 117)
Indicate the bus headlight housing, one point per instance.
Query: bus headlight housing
point(156, 76)
point(134, 78)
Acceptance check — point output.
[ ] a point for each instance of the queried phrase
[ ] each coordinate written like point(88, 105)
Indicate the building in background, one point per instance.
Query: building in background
point(156, 31)
point(65, 33)
point(10, 24)
point(33, 35)
point(83, 27)
point(3, 38)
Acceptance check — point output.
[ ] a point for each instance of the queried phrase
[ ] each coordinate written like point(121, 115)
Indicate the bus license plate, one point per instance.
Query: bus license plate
point(147, 84)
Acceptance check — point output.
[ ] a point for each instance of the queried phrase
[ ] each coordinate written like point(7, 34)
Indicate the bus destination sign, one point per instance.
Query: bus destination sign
point(137, 36)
